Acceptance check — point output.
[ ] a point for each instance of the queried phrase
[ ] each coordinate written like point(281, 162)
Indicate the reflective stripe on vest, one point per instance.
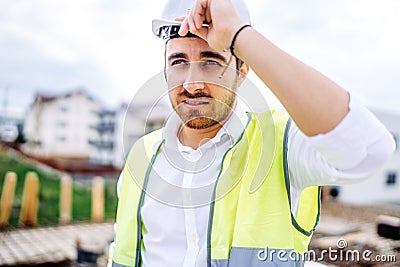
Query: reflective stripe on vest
point(118, 265)
point(260, 257)
point(252, 178)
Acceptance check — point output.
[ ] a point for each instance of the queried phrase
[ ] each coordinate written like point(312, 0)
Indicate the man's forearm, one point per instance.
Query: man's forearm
point(315, 103)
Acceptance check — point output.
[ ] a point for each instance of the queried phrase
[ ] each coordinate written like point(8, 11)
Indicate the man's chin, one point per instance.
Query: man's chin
point(199, 123)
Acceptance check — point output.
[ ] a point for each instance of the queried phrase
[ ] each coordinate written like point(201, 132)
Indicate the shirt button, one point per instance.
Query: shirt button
point(196, 155)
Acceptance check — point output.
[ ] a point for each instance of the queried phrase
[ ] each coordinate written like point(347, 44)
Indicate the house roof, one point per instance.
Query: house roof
point(45, 98)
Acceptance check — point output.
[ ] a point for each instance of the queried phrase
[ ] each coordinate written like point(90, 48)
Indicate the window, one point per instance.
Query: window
point(61, 124)
point(63, 109)
point(61, 139)
point(391, 178)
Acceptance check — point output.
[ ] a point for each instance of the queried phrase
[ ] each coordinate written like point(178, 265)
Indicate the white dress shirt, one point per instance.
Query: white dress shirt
point(175, 220)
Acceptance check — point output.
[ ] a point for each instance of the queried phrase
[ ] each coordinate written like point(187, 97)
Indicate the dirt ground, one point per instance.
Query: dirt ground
point(349, 232)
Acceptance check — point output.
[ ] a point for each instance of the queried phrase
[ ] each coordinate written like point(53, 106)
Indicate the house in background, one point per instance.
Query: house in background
point(61, 126)
point(74, 127)
point(384, 186)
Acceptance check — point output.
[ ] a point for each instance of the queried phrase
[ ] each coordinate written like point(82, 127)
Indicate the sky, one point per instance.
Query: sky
point(107, 47)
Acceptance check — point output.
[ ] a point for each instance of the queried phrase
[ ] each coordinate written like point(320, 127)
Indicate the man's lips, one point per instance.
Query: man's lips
point(196, 102)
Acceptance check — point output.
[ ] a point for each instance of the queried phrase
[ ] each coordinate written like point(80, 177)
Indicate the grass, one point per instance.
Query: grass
point(49, 193)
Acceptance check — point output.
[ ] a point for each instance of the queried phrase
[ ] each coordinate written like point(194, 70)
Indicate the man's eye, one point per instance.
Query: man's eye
point(212, 62)
point(178, 62)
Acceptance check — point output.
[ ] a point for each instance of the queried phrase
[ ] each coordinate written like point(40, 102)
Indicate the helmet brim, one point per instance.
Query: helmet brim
point(158, 24)
point(168, 29)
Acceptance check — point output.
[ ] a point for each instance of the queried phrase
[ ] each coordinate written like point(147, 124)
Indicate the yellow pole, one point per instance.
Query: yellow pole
point(7, 197)
point(65, 199)
point(30, 200)
point(98, 199)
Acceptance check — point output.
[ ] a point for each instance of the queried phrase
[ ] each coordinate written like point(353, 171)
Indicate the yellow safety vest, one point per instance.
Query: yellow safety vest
point(250, 221)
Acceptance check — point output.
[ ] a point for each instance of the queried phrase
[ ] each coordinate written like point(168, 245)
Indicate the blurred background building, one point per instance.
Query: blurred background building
point(9, 128)
point(60, 126)
point(76, 127)
point(103, 143)
point(133, 121)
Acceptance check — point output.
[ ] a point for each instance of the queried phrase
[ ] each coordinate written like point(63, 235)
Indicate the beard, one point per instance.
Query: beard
point(215, 112)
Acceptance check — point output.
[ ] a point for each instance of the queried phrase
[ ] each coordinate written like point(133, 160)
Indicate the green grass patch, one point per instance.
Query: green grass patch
point(49, 193)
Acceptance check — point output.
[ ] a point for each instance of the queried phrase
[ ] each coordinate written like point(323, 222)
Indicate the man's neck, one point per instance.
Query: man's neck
point(194, 138)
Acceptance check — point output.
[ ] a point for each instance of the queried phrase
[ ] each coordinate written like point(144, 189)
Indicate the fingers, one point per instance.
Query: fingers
point(184, 29)
point(193, 22)
point(199, 12)
point(208, 16)
point(202, 33)
point(188, 25)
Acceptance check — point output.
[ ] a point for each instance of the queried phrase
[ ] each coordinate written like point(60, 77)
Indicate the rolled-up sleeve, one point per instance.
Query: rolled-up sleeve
point(353, 151)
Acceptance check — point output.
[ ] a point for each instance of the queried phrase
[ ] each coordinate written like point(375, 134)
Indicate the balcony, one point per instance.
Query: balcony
point(102, 145)
point(104, 127)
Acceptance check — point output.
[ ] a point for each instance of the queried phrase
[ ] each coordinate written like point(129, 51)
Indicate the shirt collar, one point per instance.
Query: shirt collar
point(232, 128)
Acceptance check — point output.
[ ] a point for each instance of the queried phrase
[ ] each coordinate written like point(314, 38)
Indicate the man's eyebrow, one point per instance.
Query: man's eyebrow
point(177, 55)
point(210, 54)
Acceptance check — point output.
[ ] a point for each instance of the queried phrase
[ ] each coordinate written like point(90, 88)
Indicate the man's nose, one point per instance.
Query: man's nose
point(192, 87)
point(193, 80)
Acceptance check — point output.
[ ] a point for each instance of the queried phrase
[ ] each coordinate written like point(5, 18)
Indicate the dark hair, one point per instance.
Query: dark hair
point(239, 63)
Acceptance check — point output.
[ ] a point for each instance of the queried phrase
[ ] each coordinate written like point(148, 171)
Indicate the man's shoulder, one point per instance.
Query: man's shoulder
point(148, 142)
point(154, 134)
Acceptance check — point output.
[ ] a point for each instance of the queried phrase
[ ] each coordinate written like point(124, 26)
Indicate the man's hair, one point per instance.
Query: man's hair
point(239, 63)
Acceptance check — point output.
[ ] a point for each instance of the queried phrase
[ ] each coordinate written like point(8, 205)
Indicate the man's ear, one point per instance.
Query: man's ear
point(243, 71)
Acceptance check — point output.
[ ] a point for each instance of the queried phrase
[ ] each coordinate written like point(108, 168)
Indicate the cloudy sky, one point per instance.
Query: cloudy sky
point(108, 48)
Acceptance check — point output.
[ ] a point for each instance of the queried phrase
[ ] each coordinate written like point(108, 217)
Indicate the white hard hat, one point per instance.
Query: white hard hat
point(166, 27)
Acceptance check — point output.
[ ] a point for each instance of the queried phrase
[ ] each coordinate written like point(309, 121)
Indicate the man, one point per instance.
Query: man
point(222, 187)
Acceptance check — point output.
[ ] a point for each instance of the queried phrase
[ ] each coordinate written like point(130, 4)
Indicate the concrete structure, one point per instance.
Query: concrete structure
point(61, 126)
point(384, 187)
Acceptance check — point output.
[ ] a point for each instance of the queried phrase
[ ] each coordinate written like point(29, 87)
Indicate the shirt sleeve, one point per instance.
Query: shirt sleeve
point(112, 244)
point(353, 151)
